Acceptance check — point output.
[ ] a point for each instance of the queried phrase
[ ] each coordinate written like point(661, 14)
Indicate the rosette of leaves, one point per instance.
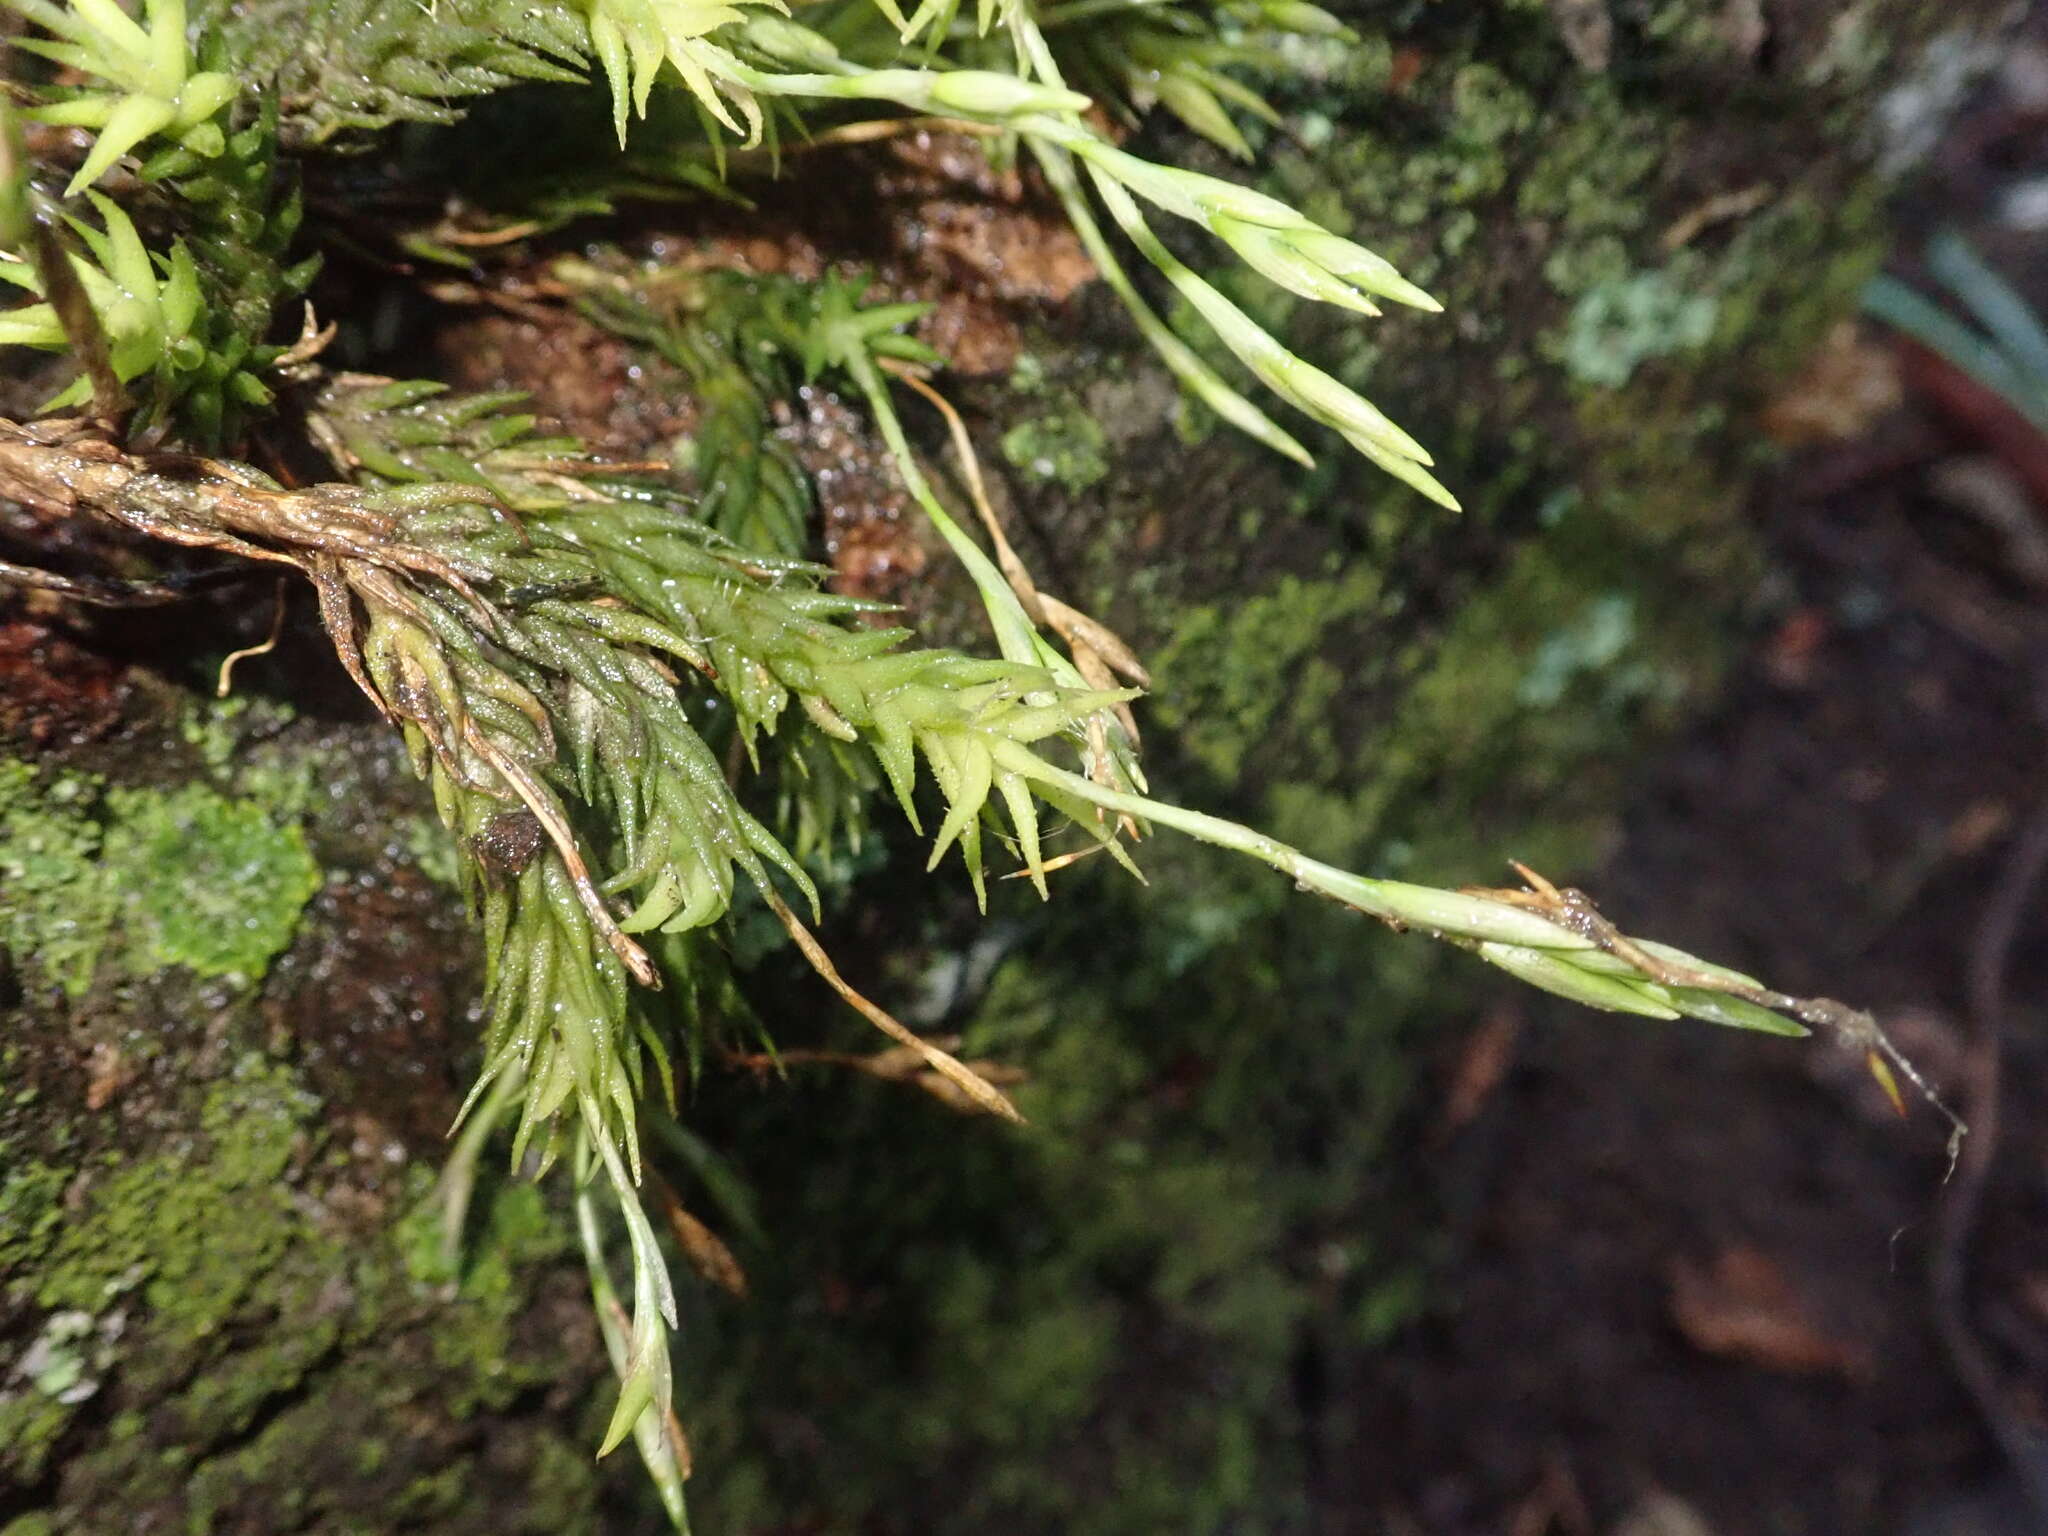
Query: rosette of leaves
point(142, 84)
point(187, 323)
point(147, 307)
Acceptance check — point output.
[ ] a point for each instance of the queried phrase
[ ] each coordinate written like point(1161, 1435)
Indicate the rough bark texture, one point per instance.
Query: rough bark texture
point(239, 990)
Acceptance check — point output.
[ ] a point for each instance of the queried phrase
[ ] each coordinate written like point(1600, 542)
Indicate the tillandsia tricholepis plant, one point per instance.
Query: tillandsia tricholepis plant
point(639, 706)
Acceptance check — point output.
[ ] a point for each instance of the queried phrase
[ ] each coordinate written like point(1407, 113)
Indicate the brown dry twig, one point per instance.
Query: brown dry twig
point(984, 1094)
point(895, 1064)
point(106, 592)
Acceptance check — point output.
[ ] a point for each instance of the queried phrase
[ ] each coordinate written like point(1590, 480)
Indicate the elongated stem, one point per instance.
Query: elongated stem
point(1016, 636)
point(1444, 913)
point(656, 1436)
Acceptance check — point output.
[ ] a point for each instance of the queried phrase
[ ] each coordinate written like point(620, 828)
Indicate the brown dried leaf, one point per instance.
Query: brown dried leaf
point(1849, 384)
point(1482, 1063)
point(107, 1072)
point(706, 1251)
point(1742, 1307)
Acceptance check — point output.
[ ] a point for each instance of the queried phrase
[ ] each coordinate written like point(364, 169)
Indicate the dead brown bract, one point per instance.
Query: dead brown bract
point(703, 1248)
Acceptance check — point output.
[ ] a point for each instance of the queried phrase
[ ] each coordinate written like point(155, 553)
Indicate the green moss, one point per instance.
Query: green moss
point(1067, 448)
point(57, 902)
point(186, 1237)
point(220, 731)
point(247, 748)
point(210, 1280)
point(1560, 662)
point(1620, 324)
point(1238, 673)
point(135, 1230)
point(1579, 178)
point(144, 878)
point(218, 1311)
point(1792, 270)
point(517, 1230)
point(1488, 109)
point(30, 1209)
point(1058, 437)
point(218, 884)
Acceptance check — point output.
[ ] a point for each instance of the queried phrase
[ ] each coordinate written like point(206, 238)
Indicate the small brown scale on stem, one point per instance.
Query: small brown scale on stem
point(508, 843)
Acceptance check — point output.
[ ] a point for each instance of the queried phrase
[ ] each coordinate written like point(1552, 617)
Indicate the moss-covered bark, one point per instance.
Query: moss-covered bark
point(225, 1295)
point(222, 1305)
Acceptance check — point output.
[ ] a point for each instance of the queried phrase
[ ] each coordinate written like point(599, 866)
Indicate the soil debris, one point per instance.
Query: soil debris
point(936, 223)
point(53, 692)
point(619, 399)
point(871, 536)
point(376, 999)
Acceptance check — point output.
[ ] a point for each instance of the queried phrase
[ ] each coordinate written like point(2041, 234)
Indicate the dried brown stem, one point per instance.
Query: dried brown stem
point(977, 1088)
point(105, 592)
point(224, 685)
